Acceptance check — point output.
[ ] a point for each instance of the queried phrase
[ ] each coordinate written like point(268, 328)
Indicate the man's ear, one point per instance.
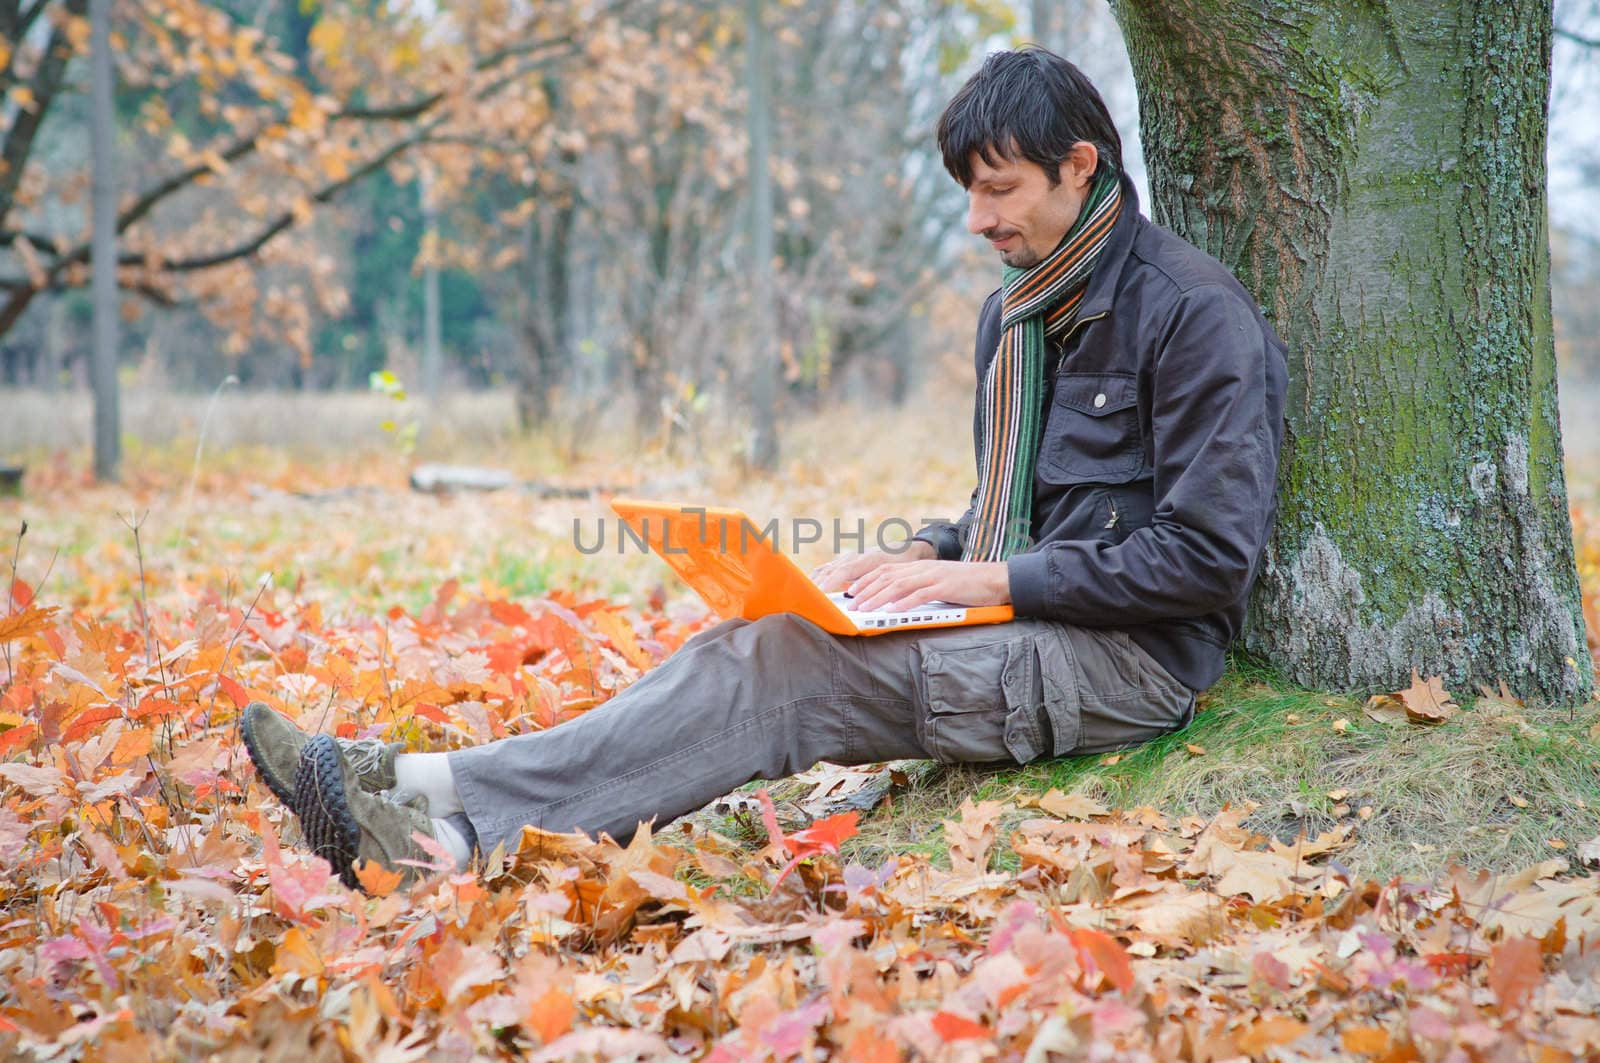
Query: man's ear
point(1077, 169)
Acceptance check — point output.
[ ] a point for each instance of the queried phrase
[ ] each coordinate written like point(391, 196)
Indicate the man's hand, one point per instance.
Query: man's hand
point(900, 587)
point(841, 572)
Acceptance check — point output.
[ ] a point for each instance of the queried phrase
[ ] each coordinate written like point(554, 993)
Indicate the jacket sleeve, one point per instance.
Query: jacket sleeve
point(1215, 474)
point(947, 537)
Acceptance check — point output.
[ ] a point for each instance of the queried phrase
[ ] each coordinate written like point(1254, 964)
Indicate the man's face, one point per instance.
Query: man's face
point(1014, 207)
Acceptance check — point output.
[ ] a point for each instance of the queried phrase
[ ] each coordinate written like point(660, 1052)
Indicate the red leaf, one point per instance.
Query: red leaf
point(21, 594)
point(824, 836)
point(16, 738)
point(509, 613)
point(1103, 953)
point(236, 693)
point(953, 1027)
point(431, 712)
point(86, 722)
point(154, 707)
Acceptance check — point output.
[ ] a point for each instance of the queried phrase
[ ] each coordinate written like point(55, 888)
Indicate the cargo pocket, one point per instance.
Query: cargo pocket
point(982, 703)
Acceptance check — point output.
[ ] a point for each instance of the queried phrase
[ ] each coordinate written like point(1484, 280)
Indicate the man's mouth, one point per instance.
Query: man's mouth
point(999, 240)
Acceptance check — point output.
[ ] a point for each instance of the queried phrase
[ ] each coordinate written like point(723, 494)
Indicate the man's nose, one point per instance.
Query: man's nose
point(980, 219)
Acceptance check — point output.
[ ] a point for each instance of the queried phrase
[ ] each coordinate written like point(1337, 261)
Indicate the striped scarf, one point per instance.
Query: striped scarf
point(1038, 304)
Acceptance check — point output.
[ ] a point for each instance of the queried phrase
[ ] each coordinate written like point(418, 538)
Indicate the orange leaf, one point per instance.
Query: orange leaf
point(1367, 1040)
point(1277, 1030)
point(28, 622)
point(551, 1015)
point(1103, 953)
point(131, 746)
point(1515, 968)
point(953, 1027)
point(21, 594)
point(154, 707)
point(377, 880)
point(17, 738)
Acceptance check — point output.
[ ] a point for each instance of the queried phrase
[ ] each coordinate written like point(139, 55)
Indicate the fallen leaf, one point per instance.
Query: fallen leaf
point(1066, 806)
point(1589, 851)
point(1516, 966)
point(1268, 1032)
point(1367, 1040)
point(1341, 725)
point(1426, 701)
point(1198, 751)
point(952, 1027)
point(1381, 708)
point(1104, 954)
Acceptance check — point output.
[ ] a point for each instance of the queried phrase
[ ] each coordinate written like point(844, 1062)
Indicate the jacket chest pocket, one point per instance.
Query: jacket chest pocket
point(1092, 435)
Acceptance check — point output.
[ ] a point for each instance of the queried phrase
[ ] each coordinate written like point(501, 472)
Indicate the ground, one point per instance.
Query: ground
point(1299, 874)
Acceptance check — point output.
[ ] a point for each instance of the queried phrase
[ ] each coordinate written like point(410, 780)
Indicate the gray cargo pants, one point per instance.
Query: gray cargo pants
point(765, 699)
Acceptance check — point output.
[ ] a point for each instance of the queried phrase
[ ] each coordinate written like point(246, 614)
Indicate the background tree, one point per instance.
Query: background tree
point(1376, 175)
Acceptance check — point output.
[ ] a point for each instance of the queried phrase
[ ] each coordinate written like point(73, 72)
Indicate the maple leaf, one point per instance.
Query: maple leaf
point(1426, 701)
point(952, 1027)
point(1104, 954)
point(823, 836)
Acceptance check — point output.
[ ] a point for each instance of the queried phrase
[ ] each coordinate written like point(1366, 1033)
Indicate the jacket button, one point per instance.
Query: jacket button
point(1099, 400)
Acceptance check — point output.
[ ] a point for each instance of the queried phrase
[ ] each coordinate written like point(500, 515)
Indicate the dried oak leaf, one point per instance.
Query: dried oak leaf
point(1066, 806)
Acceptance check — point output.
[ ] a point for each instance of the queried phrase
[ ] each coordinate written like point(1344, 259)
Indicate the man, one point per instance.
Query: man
point(1127, 428)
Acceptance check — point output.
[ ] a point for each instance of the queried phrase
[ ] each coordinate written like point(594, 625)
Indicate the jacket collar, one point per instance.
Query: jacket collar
point(1102, 288)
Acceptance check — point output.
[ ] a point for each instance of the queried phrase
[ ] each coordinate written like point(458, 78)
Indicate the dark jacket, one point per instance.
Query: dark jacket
point(1154, 487)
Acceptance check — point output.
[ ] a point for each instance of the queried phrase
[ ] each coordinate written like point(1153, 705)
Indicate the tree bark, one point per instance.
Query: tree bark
point(763, 307)
point(103, 195)
point(1375, 174)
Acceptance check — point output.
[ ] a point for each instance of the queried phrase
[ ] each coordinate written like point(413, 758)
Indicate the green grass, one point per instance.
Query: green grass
point(1437, 795)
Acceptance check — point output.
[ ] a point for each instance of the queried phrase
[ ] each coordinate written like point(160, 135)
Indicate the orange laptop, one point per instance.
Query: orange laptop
point(736, 566)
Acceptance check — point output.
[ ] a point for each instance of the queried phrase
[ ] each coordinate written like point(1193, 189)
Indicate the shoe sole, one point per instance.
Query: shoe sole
point(258, 757)
point(330, 828)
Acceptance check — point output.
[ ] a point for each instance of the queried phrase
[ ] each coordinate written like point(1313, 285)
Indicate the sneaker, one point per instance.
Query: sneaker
point(274, 745)
point(343, 822)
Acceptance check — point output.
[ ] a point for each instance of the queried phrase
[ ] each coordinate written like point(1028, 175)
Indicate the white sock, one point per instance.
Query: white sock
point(451, 839)
point(429, 774)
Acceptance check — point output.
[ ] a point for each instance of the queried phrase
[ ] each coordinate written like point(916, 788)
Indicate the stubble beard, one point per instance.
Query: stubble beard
point(1022, 258)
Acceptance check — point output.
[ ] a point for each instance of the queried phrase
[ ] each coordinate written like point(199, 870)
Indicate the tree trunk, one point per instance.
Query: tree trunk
point(763, 307)
point(103, 195)
point(1375, 174)
point(432, 329)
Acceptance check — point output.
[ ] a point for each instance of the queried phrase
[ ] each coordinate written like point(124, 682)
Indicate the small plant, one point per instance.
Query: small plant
point(405, 430)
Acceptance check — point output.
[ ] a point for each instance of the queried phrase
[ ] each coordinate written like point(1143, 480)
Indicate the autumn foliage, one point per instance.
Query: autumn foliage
point(156, 904)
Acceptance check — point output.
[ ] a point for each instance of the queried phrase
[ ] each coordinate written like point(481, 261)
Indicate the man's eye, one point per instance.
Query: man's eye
point(1002, 191)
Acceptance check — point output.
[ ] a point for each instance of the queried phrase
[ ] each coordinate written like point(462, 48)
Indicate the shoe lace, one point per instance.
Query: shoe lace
point(364, 754)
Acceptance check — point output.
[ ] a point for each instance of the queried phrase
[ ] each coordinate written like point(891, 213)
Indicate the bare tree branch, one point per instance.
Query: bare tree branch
point(1577, 38)
point(46, 82)
point(287, 218)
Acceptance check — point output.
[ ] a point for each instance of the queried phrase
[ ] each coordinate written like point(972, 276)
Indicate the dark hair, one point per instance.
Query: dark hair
point(1030, 102)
